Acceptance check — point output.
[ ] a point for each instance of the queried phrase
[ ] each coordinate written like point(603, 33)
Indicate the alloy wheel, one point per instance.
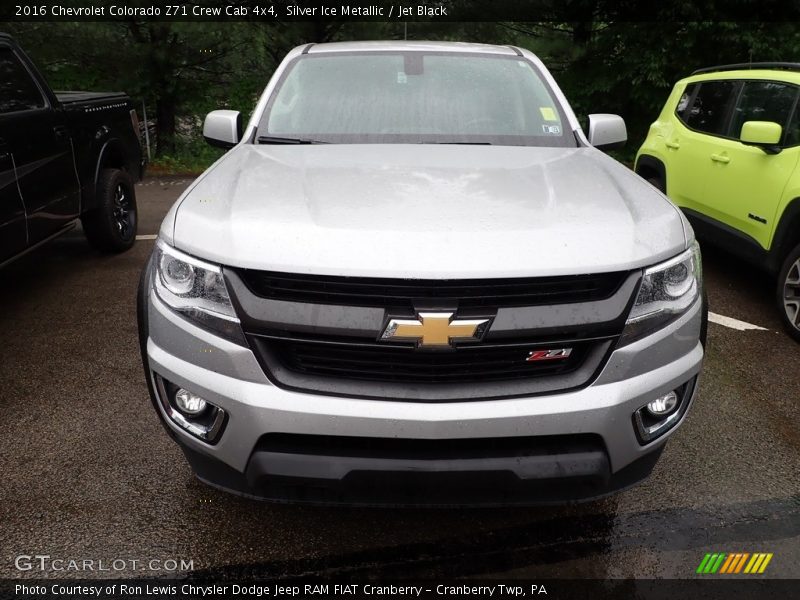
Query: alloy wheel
point(791, 294)
point(122, 212)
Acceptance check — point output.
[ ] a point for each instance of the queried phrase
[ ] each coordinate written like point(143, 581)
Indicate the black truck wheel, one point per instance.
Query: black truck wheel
point(788, 293)
point(111, 225)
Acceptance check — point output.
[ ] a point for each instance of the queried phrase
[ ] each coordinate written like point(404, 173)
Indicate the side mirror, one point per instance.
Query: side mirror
point(607, 132)
point(223, 128)
point(764, 134)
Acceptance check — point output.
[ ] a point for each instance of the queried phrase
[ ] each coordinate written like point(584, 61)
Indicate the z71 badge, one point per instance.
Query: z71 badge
point(557, 354)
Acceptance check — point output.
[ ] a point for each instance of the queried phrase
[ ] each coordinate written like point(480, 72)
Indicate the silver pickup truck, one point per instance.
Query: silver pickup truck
point(414, 280)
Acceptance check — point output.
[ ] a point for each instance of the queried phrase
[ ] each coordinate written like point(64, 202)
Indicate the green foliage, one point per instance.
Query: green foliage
point(183, 70)
point(192, 156)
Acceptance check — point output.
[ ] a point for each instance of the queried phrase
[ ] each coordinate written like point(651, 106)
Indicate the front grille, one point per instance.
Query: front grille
point(320, 334)
point(402, 293)
point(373, 362)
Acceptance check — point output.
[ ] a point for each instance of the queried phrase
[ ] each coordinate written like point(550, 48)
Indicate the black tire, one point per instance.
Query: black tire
point(657, 183)
point(111, 225)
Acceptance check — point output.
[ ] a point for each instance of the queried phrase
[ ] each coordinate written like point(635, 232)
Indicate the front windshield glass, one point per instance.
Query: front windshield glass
point(414, 97)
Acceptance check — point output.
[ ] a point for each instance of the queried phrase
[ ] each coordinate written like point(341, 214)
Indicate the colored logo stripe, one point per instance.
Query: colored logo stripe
point(711, 563)
point(734, 563)
point(758, 563)
point(727, 564)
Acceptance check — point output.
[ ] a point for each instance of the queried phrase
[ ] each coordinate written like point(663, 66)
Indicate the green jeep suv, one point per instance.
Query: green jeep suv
point(725, 149)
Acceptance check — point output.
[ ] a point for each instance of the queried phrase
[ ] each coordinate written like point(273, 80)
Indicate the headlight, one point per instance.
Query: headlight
point(667, 291)
point(196, 290)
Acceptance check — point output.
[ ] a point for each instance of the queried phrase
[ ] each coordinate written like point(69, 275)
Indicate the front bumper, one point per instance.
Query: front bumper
point(566, 446)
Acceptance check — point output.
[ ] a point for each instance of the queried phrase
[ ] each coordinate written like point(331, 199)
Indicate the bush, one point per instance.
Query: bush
point(192, 156)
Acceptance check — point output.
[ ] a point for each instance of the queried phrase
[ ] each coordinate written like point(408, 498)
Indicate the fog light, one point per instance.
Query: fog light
point(663, 405)
point(192, 404)
point(190, 412)
point(661, 414)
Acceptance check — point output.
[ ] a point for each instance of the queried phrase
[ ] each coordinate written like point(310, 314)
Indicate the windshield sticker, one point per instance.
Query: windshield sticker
point(551, 129)
point(548, 114)
point(402, 77)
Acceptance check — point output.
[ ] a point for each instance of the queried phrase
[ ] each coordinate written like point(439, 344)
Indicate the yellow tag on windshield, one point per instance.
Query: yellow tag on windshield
point(548, 114)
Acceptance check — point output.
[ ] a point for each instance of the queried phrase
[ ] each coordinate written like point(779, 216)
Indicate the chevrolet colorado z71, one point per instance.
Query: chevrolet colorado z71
point(414, 280)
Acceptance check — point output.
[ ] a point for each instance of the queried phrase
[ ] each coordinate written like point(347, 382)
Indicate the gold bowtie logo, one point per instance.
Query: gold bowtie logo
point(434, 329)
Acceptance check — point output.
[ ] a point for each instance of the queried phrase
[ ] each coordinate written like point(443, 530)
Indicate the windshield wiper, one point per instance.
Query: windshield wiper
point(467, 143)
point(268, 139)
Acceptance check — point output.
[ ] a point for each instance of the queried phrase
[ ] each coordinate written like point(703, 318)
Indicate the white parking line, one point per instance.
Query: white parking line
point(163, 182)
point(146, 237)
point(733, 323)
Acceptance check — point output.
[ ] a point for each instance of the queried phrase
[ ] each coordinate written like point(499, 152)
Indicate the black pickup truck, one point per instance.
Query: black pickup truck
point(64, 156)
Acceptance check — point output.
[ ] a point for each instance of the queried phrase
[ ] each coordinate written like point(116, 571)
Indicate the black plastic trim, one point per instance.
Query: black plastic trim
point(423, 448)
point(384, 292)
point(727, 238)
point(472, 391)
point(783, 66)
point(453, 486)
point(786, 237)
point(268, 322)
point(645, 161)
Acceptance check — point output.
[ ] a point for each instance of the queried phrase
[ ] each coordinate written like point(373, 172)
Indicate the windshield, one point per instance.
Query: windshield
point(413, 97)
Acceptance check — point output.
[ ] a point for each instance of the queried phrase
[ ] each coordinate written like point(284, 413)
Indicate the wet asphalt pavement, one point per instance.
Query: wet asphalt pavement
point(88, 472)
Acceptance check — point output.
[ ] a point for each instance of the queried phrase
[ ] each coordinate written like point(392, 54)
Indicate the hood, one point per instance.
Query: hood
point(424, 211)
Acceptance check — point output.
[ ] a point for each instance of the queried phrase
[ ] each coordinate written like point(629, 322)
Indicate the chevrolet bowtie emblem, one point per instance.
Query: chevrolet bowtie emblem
point(435, 330)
